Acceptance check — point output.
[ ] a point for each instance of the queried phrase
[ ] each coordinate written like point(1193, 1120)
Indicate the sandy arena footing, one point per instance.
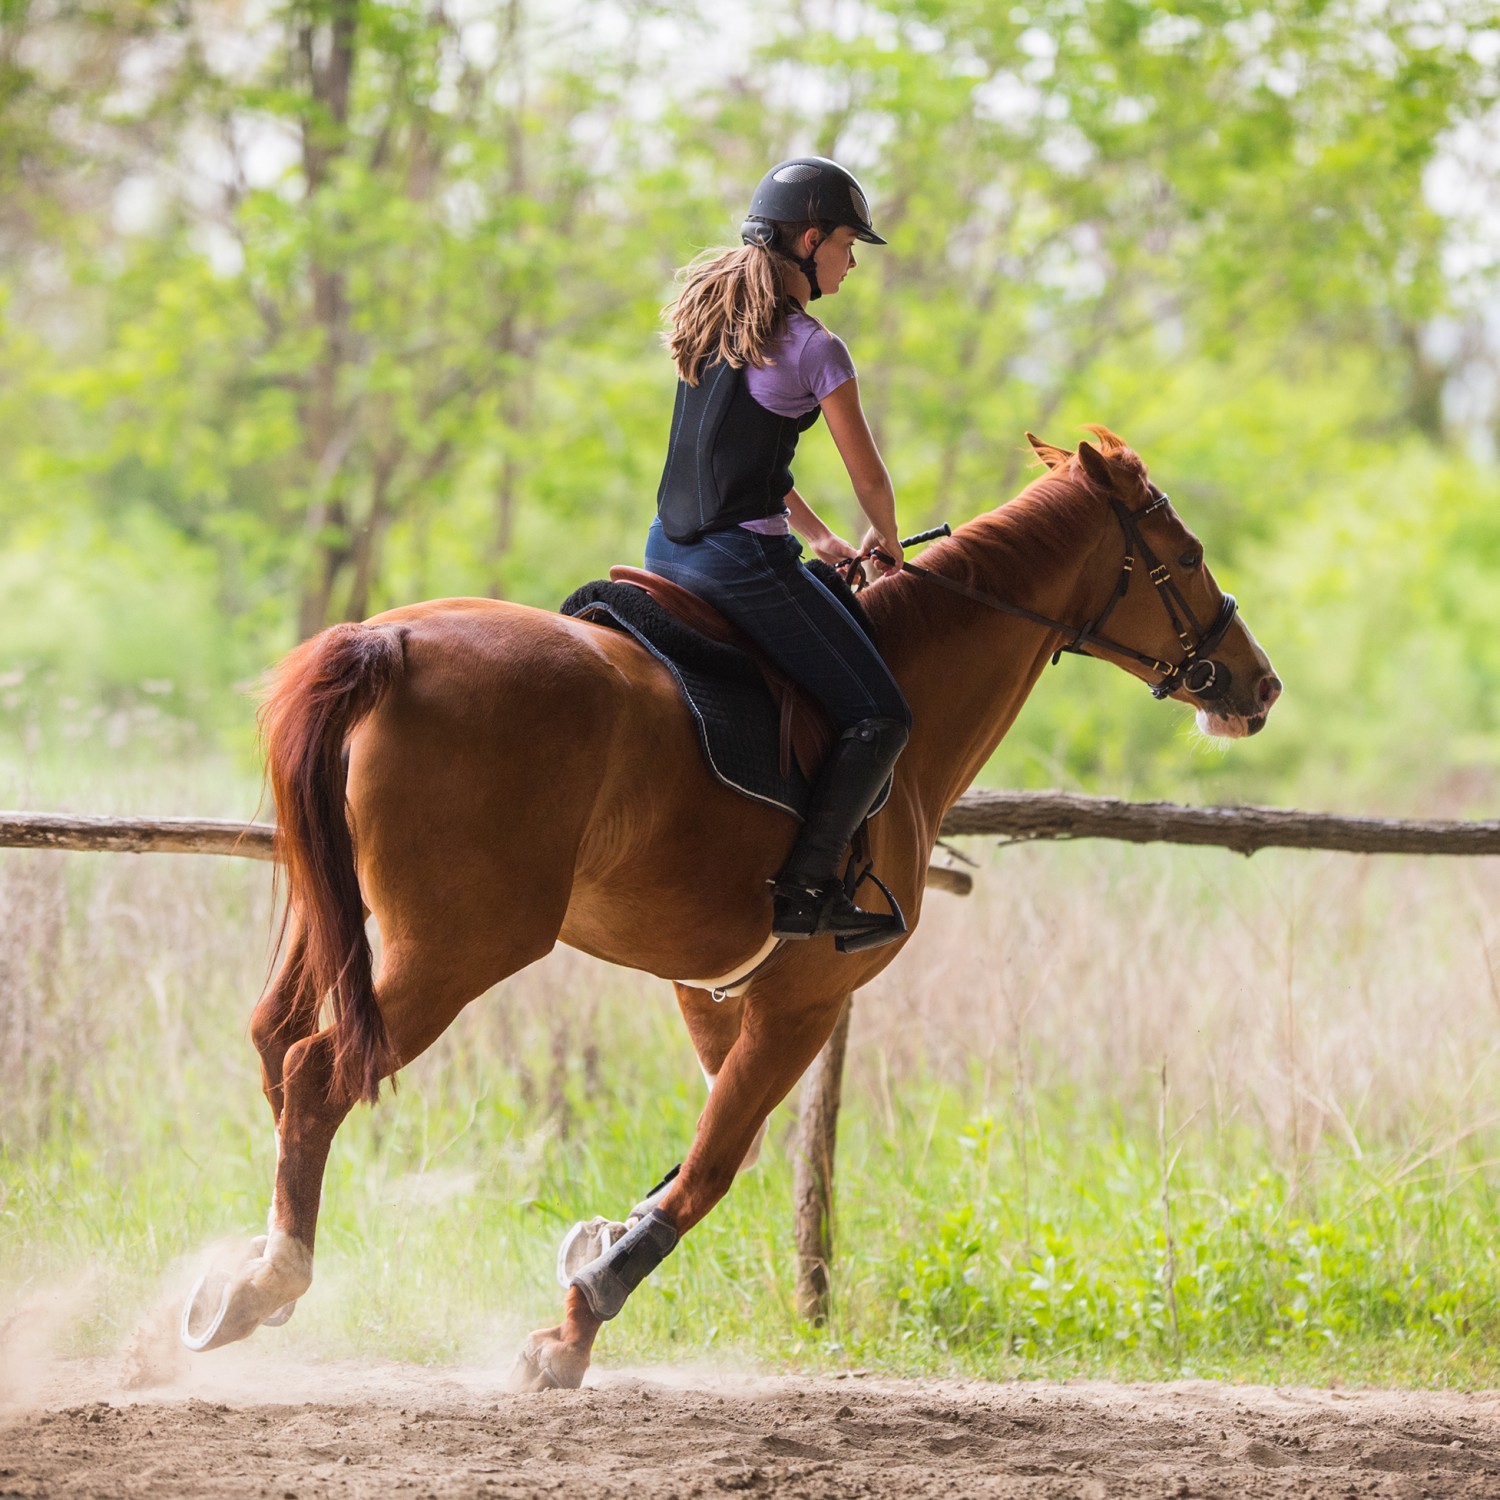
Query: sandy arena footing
point(360, 1430)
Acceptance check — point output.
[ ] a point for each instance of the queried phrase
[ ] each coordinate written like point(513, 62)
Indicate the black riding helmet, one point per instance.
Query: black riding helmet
point(807, 189)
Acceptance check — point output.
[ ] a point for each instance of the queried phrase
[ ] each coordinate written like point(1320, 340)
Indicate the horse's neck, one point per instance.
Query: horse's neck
point(967, 669)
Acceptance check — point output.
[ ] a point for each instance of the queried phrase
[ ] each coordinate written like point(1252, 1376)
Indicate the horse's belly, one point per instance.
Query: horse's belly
point(692, 914)
point(674, 876)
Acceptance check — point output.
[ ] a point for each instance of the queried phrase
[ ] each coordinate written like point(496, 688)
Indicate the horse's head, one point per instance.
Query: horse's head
point(1167, 621)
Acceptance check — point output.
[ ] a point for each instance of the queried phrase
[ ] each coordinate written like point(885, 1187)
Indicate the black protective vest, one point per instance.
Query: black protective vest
point(729, 459)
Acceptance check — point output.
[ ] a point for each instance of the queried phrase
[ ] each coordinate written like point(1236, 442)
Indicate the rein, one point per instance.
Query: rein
point(1201, 676)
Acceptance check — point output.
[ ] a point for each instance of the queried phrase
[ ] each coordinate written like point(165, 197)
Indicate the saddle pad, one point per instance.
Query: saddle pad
point(738, 723)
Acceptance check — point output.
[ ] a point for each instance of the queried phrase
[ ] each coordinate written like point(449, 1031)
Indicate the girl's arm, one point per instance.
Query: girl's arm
point(827, 545)
point(867, 471)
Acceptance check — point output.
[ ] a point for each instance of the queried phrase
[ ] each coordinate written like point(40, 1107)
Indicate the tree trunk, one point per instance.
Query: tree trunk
point(367, 538)
point(324, 139)
point(812, 1187)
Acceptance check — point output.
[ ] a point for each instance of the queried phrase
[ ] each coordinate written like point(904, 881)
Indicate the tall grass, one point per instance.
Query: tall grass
point(1124, 1110)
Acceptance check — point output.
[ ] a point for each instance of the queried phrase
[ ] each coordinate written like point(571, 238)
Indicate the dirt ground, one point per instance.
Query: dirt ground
point(249, 1426)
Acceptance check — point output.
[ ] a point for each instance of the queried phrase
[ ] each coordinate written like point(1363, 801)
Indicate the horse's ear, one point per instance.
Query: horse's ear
point(1054, 458)
point(1096, 466)
point(1109, 444)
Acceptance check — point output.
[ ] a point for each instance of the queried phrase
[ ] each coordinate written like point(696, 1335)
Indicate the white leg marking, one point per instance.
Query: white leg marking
point(263, 1289)
point(271, 1212)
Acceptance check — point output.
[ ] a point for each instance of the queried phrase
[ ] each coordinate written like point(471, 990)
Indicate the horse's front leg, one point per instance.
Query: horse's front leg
point(779, 1036)
point(714, 1027)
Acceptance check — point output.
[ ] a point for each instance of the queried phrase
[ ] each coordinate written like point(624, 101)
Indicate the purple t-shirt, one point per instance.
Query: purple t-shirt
point(807, 363)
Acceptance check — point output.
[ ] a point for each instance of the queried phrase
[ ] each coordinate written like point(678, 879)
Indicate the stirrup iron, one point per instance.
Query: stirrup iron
point(858, 942)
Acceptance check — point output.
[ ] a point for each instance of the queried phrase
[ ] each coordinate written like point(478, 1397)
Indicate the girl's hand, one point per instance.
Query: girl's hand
point(832, 549)
point(890, 546)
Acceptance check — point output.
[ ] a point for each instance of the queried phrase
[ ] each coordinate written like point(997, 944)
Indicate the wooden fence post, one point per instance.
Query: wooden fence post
point(812, 1182)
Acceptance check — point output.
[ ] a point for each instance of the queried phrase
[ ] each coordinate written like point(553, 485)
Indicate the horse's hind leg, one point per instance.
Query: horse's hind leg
point(284, 1017)
point(419, 994)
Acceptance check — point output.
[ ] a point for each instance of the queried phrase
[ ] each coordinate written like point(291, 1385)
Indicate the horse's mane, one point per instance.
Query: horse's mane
point(1006, 549)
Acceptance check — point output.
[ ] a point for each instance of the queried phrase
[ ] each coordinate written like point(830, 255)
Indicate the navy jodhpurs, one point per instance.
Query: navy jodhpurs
point(759, 584)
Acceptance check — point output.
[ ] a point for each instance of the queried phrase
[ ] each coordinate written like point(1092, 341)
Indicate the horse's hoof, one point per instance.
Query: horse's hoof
point(225, 1307)
point(545, 1363)
point(586, 1241)
point(527, 1374)
point(209, 1320)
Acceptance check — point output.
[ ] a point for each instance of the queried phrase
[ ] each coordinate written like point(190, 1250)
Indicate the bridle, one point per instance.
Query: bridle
point(1196, 672)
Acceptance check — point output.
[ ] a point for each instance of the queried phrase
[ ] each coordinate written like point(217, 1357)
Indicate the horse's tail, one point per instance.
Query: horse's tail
point(321, 691)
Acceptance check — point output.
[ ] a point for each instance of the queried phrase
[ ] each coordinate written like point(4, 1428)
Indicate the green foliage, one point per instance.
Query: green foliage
point(364, 309)
point(1083, 1273)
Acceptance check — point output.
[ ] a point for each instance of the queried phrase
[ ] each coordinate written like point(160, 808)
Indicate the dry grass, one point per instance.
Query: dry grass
point(1330, 1021)
point(1310, 998)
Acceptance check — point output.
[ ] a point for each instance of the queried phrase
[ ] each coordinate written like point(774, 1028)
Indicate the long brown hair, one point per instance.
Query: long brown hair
point(732, 306)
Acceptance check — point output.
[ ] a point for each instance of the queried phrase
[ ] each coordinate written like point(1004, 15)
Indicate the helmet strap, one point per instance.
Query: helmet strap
point(809, 268)
point(762, 232)
point(808, 265)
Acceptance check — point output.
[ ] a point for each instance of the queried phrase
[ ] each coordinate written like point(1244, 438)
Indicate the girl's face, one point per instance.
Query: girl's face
point(834, 257)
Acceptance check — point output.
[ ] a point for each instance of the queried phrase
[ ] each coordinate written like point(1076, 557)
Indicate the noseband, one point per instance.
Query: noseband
point(1196, 672)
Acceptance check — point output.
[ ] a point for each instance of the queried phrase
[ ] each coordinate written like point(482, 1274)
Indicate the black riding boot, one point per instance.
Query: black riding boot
point(809, 895)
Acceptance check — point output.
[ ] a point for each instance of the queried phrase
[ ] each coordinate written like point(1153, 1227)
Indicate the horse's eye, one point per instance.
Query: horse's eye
point(1193, 559)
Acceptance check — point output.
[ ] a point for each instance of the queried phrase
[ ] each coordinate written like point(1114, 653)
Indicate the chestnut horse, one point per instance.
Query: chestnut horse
point(489, 780)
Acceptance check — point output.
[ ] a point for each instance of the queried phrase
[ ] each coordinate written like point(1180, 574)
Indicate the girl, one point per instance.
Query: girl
point(754, 372)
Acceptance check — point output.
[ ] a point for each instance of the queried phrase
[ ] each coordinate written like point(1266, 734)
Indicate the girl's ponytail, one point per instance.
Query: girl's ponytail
point(732, 307)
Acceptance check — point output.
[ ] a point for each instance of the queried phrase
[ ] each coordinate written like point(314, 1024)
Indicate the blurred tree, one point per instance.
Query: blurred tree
point(346, 303)
point(432, 231)
point(384, 214)
point(1063, 183)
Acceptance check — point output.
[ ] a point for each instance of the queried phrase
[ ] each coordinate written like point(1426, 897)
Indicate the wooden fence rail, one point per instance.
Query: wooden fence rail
point(1016, 817)
point(1022, 816)
point(23, 830)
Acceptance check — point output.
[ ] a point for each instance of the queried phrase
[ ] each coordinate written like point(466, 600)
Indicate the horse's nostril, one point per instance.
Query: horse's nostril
point(1270, 690)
